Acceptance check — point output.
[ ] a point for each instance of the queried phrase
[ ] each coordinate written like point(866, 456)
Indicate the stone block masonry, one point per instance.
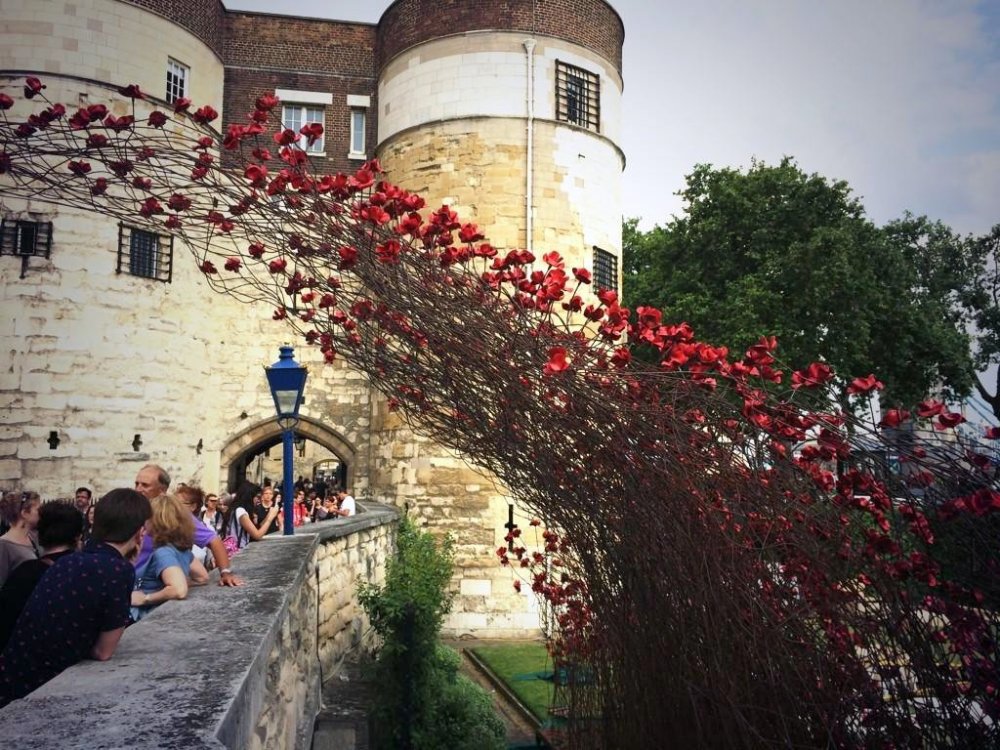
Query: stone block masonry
point(226, 668)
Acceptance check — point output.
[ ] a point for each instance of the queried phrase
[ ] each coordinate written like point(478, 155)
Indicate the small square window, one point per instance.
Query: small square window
point(296, 116)
point(144, 253)
point(605, 270)
point(358, 123)
point(177, 80)
point(25, 238)
point(578, 96)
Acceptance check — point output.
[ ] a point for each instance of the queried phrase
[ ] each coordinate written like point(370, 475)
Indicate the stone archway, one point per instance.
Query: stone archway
point(254, 438)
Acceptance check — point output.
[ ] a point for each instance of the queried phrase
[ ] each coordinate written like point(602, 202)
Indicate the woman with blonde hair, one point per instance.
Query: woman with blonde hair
point(20, 511)
point(165, 576)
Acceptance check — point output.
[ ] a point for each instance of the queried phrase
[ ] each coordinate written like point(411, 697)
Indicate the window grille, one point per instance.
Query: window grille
point(177, 80)
point(578, 96)
point(605, 269)
point(295, 116)
point(146, 254)
point(25, 238)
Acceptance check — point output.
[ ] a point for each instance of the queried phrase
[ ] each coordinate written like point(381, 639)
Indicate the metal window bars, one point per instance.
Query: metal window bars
point(605, 269)
point(578, 96)
point(145, 254)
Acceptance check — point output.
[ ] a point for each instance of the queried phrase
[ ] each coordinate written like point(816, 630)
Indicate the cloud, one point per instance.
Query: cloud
point(901, 99)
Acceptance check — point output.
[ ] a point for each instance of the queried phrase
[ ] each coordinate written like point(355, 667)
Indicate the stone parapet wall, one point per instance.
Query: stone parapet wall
point(225, 668)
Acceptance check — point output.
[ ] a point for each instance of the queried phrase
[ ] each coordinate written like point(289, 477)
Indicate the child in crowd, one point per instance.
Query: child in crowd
point(239, 525)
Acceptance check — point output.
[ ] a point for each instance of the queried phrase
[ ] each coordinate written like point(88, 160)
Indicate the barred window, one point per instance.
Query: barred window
point(177, 80)
point(605, 269)
point(146, 254)
point(25, 238)
point(578, 96)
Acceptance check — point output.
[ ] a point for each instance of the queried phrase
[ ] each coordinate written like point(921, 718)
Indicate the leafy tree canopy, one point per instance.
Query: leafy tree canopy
point(775, 251)
point(981, 301)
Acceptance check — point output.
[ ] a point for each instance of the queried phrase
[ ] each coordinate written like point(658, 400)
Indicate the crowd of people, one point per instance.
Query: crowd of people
point(74, 574)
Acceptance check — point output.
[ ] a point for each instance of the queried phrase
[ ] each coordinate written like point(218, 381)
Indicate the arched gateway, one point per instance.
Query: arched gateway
point(258, 438)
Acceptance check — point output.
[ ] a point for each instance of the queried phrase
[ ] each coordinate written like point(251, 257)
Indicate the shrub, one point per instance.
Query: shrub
point(422, 703)
point(462, 716)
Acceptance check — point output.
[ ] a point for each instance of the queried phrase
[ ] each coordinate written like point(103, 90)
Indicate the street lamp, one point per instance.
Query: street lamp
point(287, 380)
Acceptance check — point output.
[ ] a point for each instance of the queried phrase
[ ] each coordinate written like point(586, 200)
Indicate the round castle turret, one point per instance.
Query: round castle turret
point(510, 113)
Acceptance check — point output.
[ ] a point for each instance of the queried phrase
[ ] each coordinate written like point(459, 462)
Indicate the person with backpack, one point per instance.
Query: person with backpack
point(238, 523)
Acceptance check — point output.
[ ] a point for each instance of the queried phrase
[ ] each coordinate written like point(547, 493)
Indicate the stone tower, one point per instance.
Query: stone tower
point(509, 113)
point(115, 352)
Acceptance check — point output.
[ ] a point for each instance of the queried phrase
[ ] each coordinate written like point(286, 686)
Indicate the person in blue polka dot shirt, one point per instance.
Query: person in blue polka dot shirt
point(80, 607)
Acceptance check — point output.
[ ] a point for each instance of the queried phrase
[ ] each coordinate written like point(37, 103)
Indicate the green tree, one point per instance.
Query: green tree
point(775, 251)
point(981, 301)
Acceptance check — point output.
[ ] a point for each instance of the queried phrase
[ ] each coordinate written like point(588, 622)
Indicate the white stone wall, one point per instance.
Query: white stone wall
point(99, 357)
point(452, 124)
point(105, 40)
point(485, 74)
point(580, 175)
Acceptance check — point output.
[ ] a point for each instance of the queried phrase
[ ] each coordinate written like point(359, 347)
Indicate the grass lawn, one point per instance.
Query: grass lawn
point(516, 664)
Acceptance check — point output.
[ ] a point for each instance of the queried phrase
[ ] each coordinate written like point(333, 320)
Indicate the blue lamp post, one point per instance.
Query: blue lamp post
point(287, 380)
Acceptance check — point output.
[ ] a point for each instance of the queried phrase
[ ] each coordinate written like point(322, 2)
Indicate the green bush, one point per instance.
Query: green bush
point(462, 716)
point(421, 701)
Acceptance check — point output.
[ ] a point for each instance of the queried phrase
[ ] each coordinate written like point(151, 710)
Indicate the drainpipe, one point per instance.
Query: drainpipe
point(529, 187)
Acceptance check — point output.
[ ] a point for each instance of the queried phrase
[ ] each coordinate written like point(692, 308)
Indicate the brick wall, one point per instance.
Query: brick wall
point(263, 53)
point(590, 23)
point(203, 18)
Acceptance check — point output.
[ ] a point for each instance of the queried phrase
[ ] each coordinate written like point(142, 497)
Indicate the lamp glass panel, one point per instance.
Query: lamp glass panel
point(286, 401)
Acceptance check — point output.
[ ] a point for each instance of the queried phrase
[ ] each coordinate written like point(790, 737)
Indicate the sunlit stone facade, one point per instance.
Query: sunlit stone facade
point(103, 370)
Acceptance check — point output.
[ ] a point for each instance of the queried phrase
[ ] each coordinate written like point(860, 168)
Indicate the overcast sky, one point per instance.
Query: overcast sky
point(900, 98)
